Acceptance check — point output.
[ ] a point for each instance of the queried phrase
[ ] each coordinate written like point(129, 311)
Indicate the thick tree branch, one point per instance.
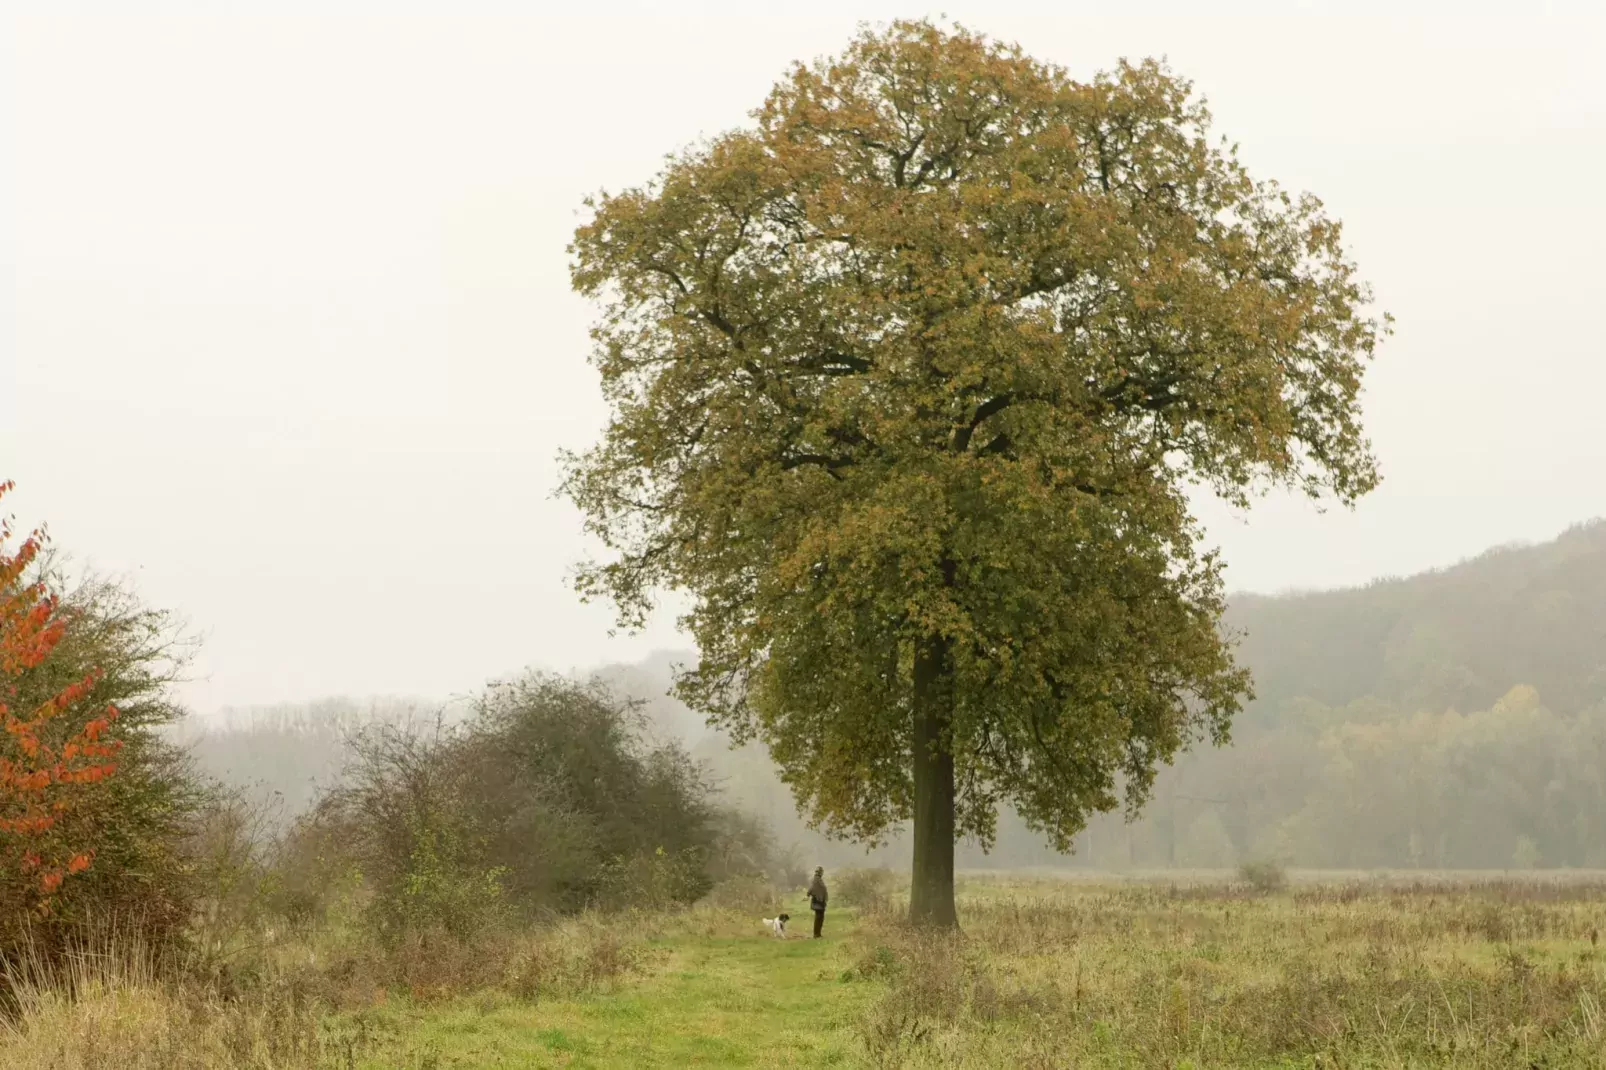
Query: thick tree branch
point(803, 460)
point(1153, 394)
point(900, 161)
point(986, 411)
point(1001, 446)
point(831, 363)
point(724, 326)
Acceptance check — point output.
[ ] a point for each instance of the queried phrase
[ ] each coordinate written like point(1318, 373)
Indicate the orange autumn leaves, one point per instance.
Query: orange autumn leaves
point(52, 750)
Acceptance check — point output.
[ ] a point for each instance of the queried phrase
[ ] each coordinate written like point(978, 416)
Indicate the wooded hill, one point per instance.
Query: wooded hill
point(1458, 637)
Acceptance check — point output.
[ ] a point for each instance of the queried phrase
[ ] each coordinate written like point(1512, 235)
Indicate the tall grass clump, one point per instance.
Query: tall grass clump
point(106, 998)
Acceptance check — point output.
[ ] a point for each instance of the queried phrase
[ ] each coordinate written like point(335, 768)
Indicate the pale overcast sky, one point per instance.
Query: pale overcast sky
point(286, 334)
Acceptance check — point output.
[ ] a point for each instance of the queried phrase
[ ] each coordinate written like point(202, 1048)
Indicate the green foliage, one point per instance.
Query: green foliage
point(744, 848)
point(918, 369)
point(1367, 786)
point(657, 880)
point(404, 823)
point(1353, 757)
point(316, 879)
point(1526, 855)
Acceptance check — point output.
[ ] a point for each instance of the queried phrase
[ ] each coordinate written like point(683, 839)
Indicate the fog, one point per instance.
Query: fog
point(288, 339)
point(1455, 720)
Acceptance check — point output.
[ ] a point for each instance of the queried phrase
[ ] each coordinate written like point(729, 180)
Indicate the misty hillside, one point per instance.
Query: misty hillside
point(1455, 637)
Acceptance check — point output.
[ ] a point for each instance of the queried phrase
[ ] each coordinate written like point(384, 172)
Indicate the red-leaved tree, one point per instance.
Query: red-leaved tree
point(53, 750)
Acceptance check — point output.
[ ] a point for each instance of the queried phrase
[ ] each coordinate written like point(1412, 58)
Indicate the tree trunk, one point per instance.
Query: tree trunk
point(931, 896)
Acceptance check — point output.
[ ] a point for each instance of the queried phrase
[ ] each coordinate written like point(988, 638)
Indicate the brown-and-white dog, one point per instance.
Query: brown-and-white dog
point(777, 926)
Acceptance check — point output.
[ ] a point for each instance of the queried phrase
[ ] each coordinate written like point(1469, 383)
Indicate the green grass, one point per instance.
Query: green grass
point(1377, 974)
point(708, 1001)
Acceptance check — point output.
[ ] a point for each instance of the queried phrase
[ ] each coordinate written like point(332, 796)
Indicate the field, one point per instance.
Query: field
point(1328, 972)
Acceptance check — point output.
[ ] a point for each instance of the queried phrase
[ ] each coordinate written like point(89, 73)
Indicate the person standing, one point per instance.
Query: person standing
point(817, 897)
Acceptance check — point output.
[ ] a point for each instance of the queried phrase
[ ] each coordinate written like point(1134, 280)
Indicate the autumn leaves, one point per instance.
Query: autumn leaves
point(54, 750)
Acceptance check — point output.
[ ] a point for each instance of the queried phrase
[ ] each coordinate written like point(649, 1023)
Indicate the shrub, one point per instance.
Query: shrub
point(657, 881)
point(229, 849)
point(547, 800)
point(789, 868)
point(567, 788)
point(312, 871)
point(57, 747)
point(408, 825)
point(95, 806)
point(742, 847)
point(1264, 875)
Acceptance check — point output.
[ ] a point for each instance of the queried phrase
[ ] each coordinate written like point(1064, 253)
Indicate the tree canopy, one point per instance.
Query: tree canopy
point(909, 382)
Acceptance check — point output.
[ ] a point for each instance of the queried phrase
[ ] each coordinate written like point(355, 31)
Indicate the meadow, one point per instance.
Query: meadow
point(1374, 971)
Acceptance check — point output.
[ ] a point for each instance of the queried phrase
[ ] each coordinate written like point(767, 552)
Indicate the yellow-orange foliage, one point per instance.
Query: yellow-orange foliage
point(45, 762)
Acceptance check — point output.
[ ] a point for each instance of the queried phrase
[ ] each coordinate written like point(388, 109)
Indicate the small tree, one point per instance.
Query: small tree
point(909, 383)
point(53, 748)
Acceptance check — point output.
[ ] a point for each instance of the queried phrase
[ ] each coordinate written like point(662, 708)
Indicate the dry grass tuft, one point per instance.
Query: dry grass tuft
point(109, 1004)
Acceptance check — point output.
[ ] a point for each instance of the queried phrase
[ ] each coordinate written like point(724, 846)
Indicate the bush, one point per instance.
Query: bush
point(657, 881)
point(1264, 875)
point(567, 792)
point(548, 800)
point(130, 831)
point(313, 878)
point(229, 848)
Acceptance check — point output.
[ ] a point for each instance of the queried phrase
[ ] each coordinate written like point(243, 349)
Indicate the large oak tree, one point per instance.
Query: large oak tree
point(909, 382)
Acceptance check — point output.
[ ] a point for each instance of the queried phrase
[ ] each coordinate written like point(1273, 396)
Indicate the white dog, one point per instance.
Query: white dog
point(777, 926)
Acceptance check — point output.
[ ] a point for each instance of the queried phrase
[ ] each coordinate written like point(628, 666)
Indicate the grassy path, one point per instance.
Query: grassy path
point(708, 1001)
